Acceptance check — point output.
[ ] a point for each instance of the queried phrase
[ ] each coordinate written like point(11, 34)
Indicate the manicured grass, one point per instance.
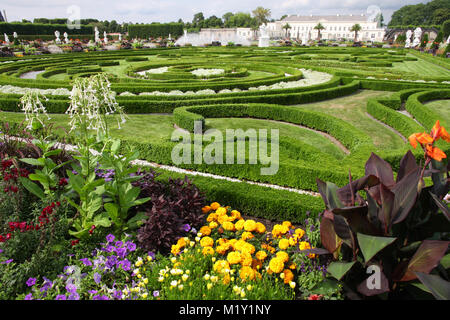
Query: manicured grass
point(422, 68)
point(441, 107)
point(353, 109)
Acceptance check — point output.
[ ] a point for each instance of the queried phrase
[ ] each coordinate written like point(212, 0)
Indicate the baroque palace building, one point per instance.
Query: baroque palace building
point(337, 27)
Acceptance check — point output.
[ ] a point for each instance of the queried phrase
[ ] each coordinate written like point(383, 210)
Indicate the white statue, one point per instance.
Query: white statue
point(66, 40)
point(6, 38)
point(57, 34)
point(263, 36)
point(417, 37)
point(15, 35)
point(408, 39)
point(170, 37)
point(105, 38)
point(448, 40)
point(120, 37)
point(97, 35)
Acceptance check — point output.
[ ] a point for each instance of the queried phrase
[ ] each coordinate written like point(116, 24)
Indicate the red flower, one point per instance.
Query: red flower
point(63, 182)
point(74, 242)
point(315, 297)
point(2, 239)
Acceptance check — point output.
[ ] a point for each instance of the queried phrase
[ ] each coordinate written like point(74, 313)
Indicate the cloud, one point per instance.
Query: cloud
point(172, 10)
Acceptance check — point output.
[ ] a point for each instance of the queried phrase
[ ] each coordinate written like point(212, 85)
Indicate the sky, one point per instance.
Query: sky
point(148, 11)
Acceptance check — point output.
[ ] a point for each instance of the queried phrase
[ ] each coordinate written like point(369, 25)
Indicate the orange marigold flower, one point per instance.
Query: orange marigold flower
point(206, 209)
point(260, 228)
point(228, 226)
point(205, 231)
point(247, 273)
point(288, 276)
point(215, 205)
point(208, 251)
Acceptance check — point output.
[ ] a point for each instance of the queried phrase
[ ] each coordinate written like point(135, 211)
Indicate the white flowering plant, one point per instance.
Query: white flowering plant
point(33, 108)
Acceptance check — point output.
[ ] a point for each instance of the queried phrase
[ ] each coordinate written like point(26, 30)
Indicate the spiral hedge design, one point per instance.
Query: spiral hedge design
point(280, 85)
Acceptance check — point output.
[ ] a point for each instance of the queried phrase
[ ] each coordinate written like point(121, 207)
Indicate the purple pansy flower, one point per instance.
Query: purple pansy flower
point(61, 297)
point(110, 237)
point(31, 282)
point(97, 277)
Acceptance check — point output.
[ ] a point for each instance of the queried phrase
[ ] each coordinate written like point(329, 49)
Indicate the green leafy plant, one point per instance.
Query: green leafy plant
point(46, 176)
point(401, 226)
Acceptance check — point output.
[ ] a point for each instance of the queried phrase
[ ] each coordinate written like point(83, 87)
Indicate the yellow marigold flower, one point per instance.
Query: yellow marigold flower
point(276, 265)
point(240, 224)
point(175, 249)
point(261, 255)
point(304, 245)
point(249, 248)
point(260, 228)
point(208, 251)
point(223, 218)
point(284, 229)
point(287, 224)
point(283, 244)
point(236, 214)
point(283, 256)
point(213, 224)
point(207, 242)
point(221, 249)
point(246, 259)
point(221, 211)
point(288, 276)
point(234, 257)
point(300, 233)
point(292, 241)
point(247, 273)
point(293, 266)
point(206, 209)
point(226, 279)
point(221, 265)
point(246, 235)
point(232, 242)
point(205, 231)
point(212, 217)
point(250, 225)
point(215, 205)
point(228, 226)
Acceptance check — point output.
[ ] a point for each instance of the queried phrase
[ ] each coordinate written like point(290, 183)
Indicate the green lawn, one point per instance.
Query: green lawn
point(422, 68)
point(441, 107)
point(353, 110)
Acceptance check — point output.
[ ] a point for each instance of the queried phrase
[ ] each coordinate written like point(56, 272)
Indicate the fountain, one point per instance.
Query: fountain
point(263, 37)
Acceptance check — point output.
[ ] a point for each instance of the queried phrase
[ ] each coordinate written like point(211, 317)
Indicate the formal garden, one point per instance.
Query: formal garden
point(93, 205)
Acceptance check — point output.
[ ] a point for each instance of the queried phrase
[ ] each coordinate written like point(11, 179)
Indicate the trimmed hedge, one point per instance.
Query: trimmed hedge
point(42, 29)
point(155, 30)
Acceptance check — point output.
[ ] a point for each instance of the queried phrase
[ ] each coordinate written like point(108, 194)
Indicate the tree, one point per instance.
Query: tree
point(286, 27)
point(319, 27)
point(421, 14)
point(283, 16)
point(261, 15)
point(213, 22)
point(356, 28)
point(226, 17)
point(441, 15)
point(198, 19)
point(446, 29)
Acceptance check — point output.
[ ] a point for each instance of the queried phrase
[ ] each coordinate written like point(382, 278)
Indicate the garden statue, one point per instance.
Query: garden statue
point(448, 40)
point(57, 34)
point(120, 37)
point(6, 38)
point(66, 40)
point(15, 35)
point(97, 37)
point(105, 37)
point(263, 36)
point(408, 39)
point(417, 37)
